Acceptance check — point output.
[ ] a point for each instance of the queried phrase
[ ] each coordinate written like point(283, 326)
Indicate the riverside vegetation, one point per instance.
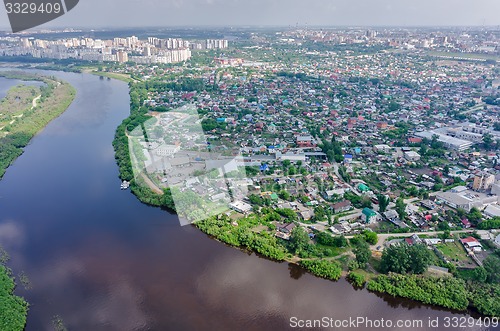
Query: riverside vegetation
point(26, 110)
point(13, 309)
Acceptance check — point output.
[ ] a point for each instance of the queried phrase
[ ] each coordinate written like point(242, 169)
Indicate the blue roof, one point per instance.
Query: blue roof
point(348, 156)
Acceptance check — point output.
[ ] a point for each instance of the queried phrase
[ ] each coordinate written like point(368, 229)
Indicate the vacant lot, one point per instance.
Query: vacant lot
point(454, 252)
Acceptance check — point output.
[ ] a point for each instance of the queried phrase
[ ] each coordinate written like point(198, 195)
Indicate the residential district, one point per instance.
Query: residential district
point(338, 136)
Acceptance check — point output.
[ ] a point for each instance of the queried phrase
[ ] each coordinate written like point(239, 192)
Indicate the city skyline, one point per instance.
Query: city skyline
point(114, 14)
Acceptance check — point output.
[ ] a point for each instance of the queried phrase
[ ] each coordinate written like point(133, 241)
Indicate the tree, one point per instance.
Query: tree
point(412, 191)
point(383, 202)
point(446, 234)
point(370, 237)
point(393, 106)
point(493, 223)
point(284, 195)
point(401, 208)
point(475, 215)
point(341, 241)
point(480, 274)
point(366, 202)
point(299, 238)
point(420, 259)
point(492, 267)
point(362, 252)
point(406, 259)
point(487, 140)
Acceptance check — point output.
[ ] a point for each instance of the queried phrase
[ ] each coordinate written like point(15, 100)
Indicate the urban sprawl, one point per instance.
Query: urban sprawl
point(338, 133)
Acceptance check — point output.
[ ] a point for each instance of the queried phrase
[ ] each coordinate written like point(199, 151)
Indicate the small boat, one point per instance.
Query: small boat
point(125, 185)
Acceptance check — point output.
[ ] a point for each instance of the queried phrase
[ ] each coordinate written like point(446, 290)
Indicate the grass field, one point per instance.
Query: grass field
point(19, 99)
point(454, 252)
point(123, 77)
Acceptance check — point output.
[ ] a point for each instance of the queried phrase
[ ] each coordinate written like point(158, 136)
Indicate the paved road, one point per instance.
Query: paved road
point(382, 238)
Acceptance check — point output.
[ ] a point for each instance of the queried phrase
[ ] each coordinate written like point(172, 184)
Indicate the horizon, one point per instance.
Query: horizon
point(93, 14)
point(59, 29)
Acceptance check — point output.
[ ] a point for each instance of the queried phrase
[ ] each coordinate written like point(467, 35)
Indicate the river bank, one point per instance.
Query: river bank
point(13, 309)
point(26, 110)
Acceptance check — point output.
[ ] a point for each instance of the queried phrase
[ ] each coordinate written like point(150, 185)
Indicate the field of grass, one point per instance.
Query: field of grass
point(18, 100)
point(454, 252)
point(123, 77)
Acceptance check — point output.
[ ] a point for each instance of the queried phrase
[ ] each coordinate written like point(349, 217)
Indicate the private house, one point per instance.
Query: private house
point(241, 207)
point(466, 224)
point(306, 215)
point(413, 240)
point(305, 141)
point(472, 244)
point(342, 206)
point(363, 188)
point(286, 228)
point(412, 156)
point(368, 216)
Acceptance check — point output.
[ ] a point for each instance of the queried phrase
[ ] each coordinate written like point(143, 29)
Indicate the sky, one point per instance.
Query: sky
point(147, 13)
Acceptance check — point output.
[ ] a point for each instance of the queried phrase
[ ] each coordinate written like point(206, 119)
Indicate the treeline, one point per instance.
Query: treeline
point(13, 309)
point(12, 148)
point(485, 298)
point(138, 116)
point(446, 292)
point(493, 223)
point(182, 84)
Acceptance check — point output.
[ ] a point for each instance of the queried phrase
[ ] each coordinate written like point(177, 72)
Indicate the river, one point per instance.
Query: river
point(101, 260)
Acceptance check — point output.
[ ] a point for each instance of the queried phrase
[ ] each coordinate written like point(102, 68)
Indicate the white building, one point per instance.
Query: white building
point(412, 156)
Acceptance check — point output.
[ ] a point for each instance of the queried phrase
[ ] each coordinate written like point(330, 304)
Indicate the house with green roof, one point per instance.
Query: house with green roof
point(363, 188)
point(368, 216)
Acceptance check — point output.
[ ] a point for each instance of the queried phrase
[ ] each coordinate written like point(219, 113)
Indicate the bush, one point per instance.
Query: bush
point(485, 298)
point(13, 309)
point(326, 239)
point(370, 237)
point(446, 292)
point(356, 278)
point(323, 268)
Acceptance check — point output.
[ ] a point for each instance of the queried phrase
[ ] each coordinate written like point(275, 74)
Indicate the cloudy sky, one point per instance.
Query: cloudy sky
point(137, 13)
